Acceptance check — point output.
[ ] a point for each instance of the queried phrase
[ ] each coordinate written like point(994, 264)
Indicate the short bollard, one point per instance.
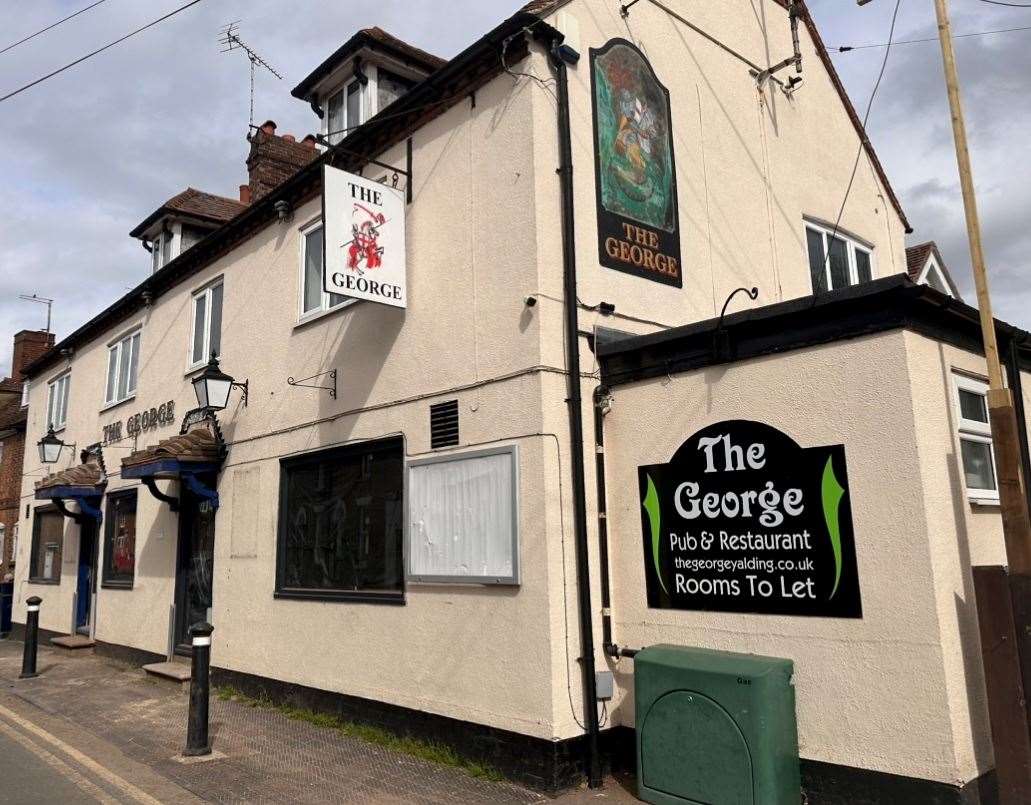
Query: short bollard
point(28, 660)
point(197, 725)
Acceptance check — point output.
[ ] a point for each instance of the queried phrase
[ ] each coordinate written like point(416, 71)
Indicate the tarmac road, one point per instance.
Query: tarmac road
point(29, 778)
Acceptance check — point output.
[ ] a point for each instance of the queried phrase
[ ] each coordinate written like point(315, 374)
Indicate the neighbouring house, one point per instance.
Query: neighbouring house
point(433, 487)
point(925, 266)
point(14, 400)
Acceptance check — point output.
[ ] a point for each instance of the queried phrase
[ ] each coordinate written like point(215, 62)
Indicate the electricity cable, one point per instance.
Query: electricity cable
point(850, 48)
point(1008, 5)
point(52, 25)
point(864, 140)
point(98, 50)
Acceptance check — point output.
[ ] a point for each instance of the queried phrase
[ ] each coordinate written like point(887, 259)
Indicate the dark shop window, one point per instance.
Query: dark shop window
point(341, 515)
point(120, 539)
point(47, 546)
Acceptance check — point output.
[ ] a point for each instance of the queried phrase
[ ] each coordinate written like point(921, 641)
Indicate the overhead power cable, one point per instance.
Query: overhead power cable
point(98, 50)
point(849, 48)
point(52, 25)
point(1008, 5)
point(864, 141)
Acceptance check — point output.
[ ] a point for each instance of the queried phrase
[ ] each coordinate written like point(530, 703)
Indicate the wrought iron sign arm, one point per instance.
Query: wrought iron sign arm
point(323, 139)
point(304, 384)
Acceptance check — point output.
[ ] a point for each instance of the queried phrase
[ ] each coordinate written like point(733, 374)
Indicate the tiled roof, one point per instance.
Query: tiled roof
point(917, 257)
point(12, 415)
point(194, 203)
point(88, 474)
point(374, 38)
point(198, 446)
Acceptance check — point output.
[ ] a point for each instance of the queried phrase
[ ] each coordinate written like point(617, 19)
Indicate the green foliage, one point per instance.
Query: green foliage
point(424, 750)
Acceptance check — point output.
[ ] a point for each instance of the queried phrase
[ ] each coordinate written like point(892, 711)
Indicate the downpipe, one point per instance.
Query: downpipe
point(558, 56)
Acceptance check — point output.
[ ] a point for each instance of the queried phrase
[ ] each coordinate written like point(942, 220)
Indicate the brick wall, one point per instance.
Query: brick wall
point(10, 489)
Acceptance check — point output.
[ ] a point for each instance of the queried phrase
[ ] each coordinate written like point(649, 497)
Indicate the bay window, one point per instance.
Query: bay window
point(835, 260)
point(123, 359)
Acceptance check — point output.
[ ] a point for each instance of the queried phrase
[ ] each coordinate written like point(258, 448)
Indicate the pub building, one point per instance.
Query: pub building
point(582, 415)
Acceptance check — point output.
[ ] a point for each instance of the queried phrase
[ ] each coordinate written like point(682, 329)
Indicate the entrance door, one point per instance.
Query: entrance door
point(87, 577)
point(196, 554)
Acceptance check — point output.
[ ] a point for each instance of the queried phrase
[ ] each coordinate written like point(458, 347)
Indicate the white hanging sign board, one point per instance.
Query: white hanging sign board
point(364, 230)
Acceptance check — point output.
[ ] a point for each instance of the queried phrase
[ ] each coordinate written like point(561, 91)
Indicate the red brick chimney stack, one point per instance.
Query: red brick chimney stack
point(273, 159)
point(28, 345)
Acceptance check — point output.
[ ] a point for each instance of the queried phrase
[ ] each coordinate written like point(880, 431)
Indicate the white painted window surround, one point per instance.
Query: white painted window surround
point(123, 358)
point(463, 518)
point(850, 261)
point(206, 324)
point(312, 299)
point(57, 401)
point(933, 276)
point(975, 439)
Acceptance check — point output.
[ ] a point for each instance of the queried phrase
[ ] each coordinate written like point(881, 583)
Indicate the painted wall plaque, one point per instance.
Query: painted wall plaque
point(742, 519)
point(635, 175)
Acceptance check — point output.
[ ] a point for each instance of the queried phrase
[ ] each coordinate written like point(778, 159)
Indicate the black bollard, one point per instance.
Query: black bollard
point(28, 660)
point(197, 742)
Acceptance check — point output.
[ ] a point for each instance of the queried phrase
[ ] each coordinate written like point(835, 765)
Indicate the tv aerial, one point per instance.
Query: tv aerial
point(229, 38)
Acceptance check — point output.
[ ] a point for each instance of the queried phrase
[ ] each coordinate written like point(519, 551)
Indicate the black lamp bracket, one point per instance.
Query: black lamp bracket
point(304, 384)
point(244, 387)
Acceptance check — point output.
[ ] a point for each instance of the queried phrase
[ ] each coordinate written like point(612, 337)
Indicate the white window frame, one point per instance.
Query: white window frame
point(324, 308)
point(25, 394)
point(974, 431)
point(363, 108)
point(60, 385)
point(117, 345)
point(932, 265)
point(204, 292)
point(411, 573)
point(852, 245)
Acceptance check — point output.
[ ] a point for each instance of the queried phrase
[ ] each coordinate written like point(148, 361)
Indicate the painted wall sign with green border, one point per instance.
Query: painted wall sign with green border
point(743, 519)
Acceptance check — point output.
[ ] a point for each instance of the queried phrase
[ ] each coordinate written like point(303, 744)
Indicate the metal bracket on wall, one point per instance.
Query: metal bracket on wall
point(151, 483)
point(304, 384)
point(397, 172)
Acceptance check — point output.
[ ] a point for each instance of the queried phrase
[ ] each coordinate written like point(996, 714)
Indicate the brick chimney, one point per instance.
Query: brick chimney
point(28, 345)
point(273, 159)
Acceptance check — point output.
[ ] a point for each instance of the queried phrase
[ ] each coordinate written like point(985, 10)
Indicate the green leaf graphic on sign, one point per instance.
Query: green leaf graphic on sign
point(833, 492)
point(651, 505)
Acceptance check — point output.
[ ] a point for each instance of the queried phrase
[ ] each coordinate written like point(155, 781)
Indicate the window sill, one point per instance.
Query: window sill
point(107, 407)
point(51, 582)
point(992, 503)
point(310, 318)
point(116, 585)
point(391, 598)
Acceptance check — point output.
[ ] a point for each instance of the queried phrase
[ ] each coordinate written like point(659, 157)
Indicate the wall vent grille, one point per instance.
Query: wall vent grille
point(444, 424)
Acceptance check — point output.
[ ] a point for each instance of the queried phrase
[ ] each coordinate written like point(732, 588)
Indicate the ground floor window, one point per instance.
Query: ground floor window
point(120, 539)
point(341, 523)
point(47, 544)
point(975, 439)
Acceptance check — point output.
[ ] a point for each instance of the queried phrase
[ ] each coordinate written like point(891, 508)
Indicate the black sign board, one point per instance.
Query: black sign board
point(742, 519)
point(635, 175)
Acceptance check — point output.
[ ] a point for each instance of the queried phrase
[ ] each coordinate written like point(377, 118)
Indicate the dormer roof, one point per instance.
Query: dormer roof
point(205, 208)
point(376, 40)
point(917, 258)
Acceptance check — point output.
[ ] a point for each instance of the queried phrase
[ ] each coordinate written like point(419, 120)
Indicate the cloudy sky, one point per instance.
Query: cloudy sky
point(88, 154)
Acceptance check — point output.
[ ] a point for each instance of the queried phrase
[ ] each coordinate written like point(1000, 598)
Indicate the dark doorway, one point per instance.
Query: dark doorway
point(195, 563)
point(87, 578)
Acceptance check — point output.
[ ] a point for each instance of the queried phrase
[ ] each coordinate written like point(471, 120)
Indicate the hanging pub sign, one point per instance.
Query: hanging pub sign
point(742, 519)
point(364, 238)
point(635, 176)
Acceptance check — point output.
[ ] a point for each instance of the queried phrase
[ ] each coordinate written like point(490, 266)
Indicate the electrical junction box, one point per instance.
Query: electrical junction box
point(715, 728)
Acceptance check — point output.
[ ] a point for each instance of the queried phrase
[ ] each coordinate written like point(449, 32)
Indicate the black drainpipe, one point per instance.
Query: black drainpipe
point(576, 425)
point(1017, 390)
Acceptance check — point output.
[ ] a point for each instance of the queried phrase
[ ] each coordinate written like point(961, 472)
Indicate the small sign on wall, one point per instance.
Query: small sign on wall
point(364, 231)
point(635, 175)
point(742, 519)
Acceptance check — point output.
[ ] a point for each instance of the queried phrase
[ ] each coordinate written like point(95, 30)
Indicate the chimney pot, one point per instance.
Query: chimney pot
point(269, 127)
point(289, 138)
point(309, 141)
point(245, 194)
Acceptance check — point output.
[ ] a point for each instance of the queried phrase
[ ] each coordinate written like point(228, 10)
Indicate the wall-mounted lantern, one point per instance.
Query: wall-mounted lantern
point(50, 447)
point(212, 387)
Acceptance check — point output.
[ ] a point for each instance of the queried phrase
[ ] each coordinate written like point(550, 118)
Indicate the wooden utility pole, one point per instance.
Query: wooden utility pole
point(1012, 500)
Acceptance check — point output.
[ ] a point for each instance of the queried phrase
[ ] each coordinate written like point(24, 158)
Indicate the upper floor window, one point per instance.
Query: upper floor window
point(25, 394)
point(206, 337)
point(161, 249)
point(344, 111)
point(123, 358)
point(975, 439)
point(389, 87)
point(313, 298)
point(836, 260)
point(57, 401)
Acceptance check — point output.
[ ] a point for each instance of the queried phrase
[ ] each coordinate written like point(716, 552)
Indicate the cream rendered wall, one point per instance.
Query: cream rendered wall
point(875, 692)
point(465, 651)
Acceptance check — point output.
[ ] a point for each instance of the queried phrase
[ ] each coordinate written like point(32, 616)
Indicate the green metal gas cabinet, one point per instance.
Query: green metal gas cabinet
point(715, 728)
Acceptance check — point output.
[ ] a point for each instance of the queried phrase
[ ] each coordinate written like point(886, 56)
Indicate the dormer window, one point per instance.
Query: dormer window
point(344, 111)
point(161, 249)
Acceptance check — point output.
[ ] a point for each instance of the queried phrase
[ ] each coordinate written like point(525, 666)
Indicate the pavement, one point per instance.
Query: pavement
point(90, 729)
